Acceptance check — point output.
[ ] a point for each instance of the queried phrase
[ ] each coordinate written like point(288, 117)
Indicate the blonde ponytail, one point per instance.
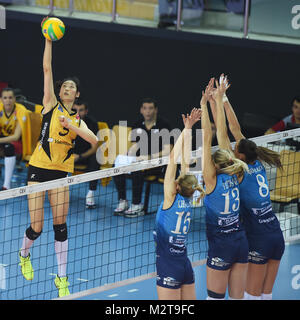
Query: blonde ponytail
point(237, 167)
point(227, 163)
point(188, 185)
point(200, 189)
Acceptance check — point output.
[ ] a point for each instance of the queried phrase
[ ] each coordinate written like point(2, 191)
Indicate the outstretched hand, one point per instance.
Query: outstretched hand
point(222, 86)
point(190, 119)
point(206, 95)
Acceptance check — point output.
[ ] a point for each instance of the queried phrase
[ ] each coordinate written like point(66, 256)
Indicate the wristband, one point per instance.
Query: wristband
point(225, 99)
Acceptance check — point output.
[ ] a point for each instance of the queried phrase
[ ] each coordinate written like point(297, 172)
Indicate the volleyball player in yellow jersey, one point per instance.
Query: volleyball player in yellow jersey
point(53, 159)
point(13, 117)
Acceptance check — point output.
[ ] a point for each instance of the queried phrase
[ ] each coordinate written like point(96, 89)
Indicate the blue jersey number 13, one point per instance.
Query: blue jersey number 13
point(236, 203)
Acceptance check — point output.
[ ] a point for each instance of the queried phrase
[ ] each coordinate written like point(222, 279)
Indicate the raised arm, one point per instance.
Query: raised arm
point(49, 99)
point(218, 94)
point(208, 167)
point(233, 123)
point(179, 149)
point(211, 100)
point(83, 131)
point(188, 121)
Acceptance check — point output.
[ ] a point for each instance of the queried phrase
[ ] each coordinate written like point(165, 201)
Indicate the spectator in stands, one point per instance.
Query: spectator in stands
point(150, 124)
point(13, 117)
point(167, 13)
point(292, 119)
point(84, 152)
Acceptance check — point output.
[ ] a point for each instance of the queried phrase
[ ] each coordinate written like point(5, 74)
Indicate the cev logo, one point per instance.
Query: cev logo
point(2, 18)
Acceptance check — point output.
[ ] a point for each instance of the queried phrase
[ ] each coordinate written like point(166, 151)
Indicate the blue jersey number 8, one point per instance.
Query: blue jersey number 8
point(263, 187)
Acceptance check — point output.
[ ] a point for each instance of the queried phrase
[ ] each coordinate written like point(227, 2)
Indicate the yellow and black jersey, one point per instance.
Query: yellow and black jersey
point(55, 148)
point(8, 123)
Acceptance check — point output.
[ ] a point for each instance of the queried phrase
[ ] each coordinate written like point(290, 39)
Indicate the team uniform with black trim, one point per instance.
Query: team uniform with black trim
point(227, 242)
point(174, 269)
point(8, 125)
point(51, 159)
point(262, 227)
point(53, 155)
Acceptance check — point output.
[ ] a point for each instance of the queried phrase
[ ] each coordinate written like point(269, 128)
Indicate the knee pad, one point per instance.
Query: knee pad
point(31, 234)
point(9, 150)
point(60, 232)
point(215, 296)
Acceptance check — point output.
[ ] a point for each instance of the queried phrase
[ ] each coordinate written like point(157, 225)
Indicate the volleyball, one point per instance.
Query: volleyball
point(53, 29)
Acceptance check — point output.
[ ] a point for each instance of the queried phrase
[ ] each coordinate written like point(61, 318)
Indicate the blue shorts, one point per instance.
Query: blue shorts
point(225, 250)
point(265, 247)
point(173, 273)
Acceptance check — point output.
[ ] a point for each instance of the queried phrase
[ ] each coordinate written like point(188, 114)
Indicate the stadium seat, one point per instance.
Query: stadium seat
point(38, 108)
point(287, 184)
point(107, 139)
point(35, 124)
point(122, 136)
point(103, 127)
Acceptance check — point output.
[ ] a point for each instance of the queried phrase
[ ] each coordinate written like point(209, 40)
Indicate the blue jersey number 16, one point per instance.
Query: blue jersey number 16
point(186, 223)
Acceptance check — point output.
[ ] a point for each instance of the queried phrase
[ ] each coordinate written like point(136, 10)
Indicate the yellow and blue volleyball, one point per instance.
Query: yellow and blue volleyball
point(53, 29)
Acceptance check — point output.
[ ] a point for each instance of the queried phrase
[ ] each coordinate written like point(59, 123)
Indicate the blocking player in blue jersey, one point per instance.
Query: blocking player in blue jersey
point(175, 275)
point(227, 243)
point(265, 239)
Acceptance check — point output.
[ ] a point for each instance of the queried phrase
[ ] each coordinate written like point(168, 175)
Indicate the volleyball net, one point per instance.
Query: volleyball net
point(106, 250)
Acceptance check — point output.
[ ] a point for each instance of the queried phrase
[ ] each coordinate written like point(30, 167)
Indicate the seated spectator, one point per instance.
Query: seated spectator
point(13, 117)
point(167, 13)
point(293, 118)
point(84, 152)
point(150, 124)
